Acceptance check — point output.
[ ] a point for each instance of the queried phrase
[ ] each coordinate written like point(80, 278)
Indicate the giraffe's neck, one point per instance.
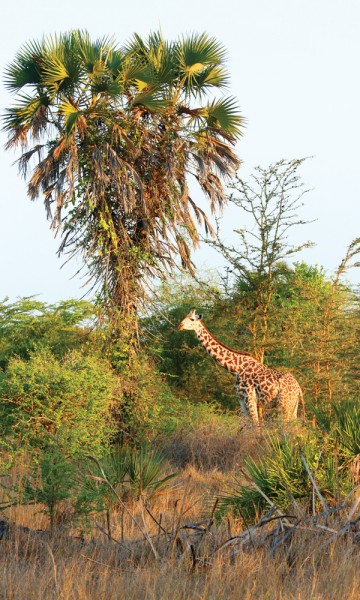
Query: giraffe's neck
point(229, 359)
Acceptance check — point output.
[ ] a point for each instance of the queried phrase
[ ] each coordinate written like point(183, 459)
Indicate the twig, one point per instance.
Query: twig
point(98, 562)
point(194, 526)
point(110, 537)
point(271, 503)
point(122, 503)
point(353, 510)
point(158, 522)
point(350, 494)
point(193, 556)
point(325, 506)
point(172, 535)
point(146, 527)
point(234, 539)
point(176, 528)
point(102, 564)
point(323, 515)
point(211, 520)
point(266, 521)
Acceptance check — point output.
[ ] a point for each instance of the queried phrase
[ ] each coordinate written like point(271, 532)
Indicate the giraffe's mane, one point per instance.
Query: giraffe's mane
point(228, 348)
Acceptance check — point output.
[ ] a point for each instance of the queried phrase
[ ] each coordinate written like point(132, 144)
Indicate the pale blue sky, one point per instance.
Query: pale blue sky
point(294, 68)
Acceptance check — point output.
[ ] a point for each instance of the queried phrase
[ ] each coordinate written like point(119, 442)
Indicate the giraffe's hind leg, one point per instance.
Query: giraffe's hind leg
point(289, 406)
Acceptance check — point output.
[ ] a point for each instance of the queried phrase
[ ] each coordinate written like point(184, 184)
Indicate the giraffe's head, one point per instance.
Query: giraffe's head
point(191, 321)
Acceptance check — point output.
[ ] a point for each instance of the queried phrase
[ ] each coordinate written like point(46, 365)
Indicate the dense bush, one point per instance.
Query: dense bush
point(69, 401)
point(29, 323)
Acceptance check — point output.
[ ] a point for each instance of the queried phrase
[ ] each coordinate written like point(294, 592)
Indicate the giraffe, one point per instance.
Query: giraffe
point(255, 383)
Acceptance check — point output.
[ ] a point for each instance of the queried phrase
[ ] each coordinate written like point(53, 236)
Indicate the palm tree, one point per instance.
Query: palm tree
point(109, 136)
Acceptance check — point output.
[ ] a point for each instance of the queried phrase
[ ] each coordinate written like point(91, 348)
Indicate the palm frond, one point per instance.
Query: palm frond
point(224, 115)
point(200, 64)
point(24, 112)
point(152, 101)
point(135, 73)
point(114, 62)
point(114, 89)
point(136, 46)
point(200, 49)
point(156, 50)
point(62, 66)
point(95, 55)
point(71, 114)
point(213, 77)
point(54, 72)
point(26, 68)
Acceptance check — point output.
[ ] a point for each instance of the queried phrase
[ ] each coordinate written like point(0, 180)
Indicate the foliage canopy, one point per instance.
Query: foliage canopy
point(113, 134)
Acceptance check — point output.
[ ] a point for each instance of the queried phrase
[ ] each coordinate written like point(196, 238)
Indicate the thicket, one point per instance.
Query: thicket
point(93, 439)
point(61, 398)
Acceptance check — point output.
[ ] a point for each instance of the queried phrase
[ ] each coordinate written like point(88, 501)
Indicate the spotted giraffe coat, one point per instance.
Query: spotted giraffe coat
point(255, 383)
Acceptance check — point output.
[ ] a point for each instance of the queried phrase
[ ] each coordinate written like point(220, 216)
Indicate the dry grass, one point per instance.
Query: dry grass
point(210, 447)
point(33, 568)
point(190, 558)
point(36, 566)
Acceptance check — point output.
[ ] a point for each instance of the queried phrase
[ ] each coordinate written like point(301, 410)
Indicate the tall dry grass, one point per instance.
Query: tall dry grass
point(34, 570)
point(213, 445)
point(36, 566)
point(191, 558)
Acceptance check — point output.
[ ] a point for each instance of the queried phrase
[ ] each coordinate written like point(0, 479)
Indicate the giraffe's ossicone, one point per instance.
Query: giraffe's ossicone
point(255, 383)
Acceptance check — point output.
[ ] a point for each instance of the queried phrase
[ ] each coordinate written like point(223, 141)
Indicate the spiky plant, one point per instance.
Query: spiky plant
point(134, 472)
point(147, 472)
point(281, 477)
point(340, 422)
point(348, 435)
point(108, 136)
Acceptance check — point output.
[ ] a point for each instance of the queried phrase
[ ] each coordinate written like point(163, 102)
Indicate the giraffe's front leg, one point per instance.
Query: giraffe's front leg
point(253, 405)
point(242, 396)
point(247, 399)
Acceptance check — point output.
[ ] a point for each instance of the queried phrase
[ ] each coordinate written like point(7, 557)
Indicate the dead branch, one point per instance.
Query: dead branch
point(315, 487)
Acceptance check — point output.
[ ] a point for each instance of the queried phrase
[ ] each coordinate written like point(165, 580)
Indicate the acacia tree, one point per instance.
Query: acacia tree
point(271, 200)
point(318, 324)
point(111, 135)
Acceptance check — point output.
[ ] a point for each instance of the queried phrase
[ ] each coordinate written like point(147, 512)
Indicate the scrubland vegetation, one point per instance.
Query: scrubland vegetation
point(126, 468)
point(148, 483)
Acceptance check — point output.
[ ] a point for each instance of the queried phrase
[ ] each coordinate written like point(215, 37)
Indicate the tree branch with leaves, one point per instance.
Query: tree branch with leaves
point(271, 200)
point(109, 137)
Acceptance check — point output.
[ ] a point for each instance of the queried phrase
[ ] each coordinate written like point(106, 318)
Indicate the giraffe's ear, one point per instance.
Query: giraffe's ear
point(199, 317)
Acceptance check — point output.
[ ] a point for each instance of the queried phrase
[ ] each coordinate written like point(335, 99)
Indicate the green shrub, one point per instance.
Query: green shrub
point(67, 401)
point(29, 323)
point(50, 482)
